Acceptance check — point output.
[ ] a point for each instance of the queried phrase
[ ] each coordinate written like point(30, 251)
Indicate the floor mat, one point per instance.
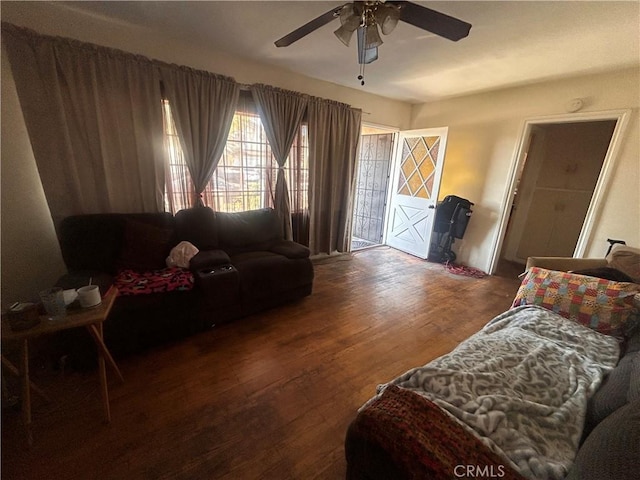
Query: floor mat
point(464, 270)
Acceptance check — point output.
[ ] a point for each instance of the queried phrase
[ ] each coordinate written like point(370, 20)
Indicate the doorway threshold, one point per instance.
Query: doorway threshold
point(361, 244)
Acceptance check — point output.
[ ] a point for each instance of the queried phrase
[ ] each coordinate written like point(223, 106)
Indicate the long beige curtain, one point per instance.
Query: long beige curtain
point(203, 105)
point(281, 113)
point(95, 122)
point(334, 133)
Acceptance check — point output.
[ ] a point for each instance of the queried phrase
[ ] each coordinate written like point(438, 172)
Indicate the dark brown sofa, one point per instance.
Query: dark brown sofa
point(243, 266)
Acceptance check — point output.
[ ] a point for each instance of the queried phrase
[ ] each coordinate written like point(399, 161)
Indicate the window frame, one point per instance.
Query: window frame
point(252, 156)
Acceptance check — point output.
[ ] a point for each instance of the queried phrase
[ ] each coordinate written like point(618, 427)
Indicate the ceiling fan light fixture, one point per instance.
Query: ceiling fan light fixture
point(344, 34)
point(348, 17)
point(387, 17)
point(372, 37)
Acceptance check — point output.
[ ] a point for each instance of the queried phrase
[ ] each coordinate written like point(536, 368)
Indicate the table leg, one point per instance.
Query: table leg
point(96, 333)
point(14, 371)
point(26, 391)
point(103, 354)
point(102, 372)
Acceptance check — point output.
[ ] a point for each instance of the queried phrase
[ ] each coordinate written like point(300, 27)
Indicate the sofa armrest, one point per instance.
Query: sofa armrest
point(565, 264)
point(290, 249)
point(208, 258)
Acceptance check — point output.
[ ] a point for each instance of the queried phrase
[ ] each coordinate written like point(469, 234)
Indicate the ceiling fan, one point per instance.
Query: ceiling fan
point(365, 17)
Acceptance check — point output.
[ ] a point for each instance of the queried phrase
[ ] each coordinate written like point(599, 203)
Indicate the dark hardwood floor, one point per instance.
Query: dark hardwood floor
point(266, 397)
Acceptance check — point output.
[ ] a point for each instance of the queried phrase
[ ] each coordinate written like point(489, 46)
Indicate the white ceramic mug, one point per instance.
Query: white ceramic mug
point(89, 296)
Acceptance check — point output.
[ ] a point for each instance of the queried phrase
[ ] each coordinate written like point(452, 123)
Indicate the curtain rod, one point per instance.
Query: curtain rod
point(247, 87)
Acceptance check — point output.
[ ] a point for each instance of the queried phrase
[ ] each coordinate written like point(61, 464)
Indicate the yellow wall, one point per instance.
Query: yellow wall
point(484, 132)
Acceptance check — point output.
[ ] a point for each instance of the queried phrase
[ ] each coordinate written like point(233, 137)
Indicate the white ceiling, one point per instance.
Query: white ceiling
point(510, 43)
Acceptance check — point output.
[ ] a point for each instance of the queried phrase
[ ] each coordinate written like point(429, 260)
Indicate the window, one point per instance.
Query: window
point(245, 177)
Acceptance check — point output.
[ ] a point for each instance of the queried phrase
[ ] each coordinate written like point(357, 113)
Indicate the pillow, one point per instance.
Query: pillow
point(600, 304)
point(145, 246)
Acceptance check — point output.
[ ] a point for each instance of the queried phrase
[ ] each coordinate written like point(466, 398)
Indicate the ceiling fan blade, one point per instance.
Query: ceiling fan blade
point(309, 27)
point(432, 21)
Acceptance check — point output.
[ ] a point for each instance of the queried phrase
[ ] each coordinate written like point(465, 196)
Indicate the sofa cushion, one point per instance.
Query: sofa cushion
point(290, 249)
point(253, 229)
point(91, 242)
point(605, 306)
point(626, 259)
point(94, 241)
point(145, 247)
point(198, 226)
point(608, 273)
point(633, 342)
point(612, 450)
point(614, 392)
point(266, 274)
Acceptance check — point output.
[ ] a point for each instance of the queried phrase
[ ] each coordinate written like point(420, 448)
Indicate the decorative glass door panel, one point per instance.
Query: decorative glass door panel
point(376, 152)
point(418, 165)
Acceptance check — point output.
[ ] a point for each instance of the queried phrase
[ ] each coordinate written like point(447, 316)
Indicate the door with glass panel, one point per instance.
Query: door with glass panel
point(414, 195)
point(372, 180)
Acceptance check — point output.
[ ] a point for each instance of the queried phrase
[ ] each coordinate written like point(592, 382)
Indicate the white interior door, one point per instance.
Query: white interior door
point(416, 179)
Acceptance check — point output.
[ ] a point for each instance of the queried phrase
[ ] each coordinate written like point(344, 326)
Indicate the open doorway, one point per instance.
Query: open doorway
point(557, 184)
point(372, 178)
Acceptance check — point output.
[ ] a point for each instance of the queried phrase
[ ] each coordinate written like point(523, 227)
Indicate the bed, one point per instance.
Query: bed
point(549, 389)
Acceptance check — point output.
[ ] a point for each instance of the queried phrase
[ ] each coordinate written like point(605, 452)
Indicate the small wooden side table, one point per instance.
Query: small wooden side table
point(90, 318)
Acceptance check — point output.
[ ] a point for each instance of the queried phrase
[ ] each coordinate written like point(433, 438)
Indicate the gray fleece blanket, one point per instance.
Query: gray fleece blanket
point(521, 385)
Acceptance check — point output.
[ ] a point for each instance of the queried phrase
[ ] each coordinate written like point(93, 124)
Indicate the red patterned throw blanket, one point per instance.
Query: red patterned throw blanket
point(424, 442)
point(130, 282)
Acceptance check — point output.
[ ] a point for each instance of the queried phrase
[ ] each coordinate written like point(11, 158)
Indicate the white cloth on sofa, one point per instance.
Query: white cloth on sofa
point(181, 255)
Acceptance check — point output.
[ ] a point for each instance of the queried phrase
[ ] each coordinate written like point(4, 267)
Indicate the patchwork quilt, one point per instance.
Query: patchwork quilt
point(521, 386)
